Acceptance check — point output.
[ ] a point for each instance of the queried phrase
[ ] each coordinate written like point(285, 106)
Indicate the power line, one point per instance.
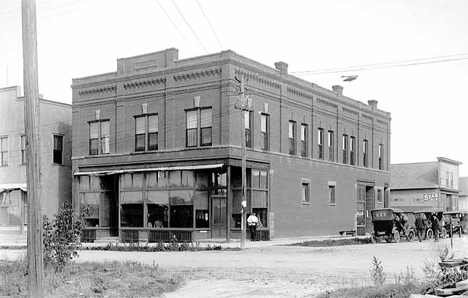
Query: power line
point(170, 19)
point(402, 63)
point(209, 23)
point(196, 36)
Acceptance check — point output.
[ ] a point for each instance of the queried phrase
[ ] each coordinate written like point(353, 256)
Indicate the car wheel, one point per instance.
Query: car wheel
point(410, 236)
point(396, 236)
point(373, 238)
point(443, 233)
point(429, 234)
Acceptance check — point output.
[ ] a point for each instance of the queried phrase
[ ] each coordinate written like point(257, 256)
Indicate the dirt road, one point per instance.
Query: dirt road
point(282, 271)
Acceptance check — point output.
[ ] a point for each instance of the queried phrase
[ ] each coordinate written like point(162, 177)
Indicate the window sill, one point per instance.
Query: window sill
point(305, 203)
point(331, 204)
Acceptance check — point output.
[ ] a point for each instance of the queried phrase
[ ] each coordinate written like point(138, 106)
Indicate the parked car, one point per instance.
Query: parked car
point(458, 219)
point(428, 217)
point(391, 224)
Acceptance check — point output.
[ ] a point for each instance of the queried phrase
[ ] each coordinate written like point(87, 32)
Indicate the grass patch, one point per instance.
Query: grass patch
point(330, 242)
point(383, 291)
point(91, 279)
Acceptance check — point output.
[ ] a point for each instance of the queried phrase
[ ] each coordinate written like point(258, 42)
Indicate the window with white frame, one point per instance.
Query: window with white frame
point(99, 137)
point(331, 151)
point(146, 132)
point(304, 141)
point(305, 191)
point(4, 151)
point(345, 148)
point(58, 150)
point(320, 142)
point(331, 193)
point(195, 119)
point(292, 137)
point(248, 128)
point(264, 129)
point(352, 150)
point(365, 153)
point(23, 149)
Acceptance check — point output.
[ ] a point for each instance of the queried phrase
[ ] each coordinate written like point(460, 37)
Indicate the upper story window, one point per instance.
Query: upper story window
point(99, 137)
point(331, 155)
point(23, 149)
point(381, 157)
point(304, 133)
point(199, 118)
point(265, 131)
point(451, 180)
point(305, 191)
point(248, 128)
point(352, 150)
point(447, 179)
point(146, 132)
point(345, 149)
point(320, 142)
point(365, 153)
point(292, 137)
point(58, 150)
point(206, 127)
point(4, 151)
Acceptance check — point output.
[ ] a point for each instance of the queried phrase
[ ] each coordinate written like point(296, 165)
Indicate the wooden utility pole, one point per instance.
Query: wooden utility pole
point(243, 108)
point(31, 120)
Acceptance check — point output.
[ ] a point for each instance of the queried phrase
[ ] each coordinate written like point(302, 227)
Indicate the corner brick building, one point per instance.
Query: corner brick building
point(157, 151)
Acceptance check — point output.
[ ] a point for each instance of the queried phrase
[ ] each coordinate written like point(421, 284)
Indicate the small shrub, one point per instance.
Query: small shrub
point(406, 278)
point(377, 272)
point(61, 237)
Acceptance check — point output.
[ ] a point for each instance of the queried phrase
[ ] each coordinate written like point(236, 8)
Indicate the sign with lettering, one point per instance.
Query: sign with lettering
point(427, 197)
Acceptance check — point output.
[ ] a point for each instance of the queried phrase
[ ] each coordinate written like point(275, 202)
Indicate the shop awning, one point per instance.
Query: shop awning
point(180, 168)
point(13, 186)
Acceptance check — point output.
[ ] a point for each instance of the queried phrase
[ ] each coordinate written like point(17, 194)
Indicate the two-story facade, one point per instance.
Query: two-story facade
point(157, 150)
point(56, 175)
point(425, 185)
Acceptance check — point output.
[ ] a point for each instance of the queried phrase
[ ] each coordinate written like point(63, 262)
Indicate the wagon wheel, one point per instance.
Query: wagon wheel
point(429, 234)
point(410, 236)
point(443, 234)
point(396, 236)
point(374, 238)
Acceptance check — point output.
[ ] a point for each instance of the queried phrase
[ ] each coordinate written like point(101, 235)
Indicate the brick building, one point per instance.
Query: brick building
point(157, 150)
point(56, 175)
point(425, 185)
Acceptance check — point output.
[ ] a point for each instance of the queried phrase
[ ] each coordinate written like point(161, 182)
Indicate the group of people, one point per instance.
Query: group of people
point(421, 226)
point(253, 222)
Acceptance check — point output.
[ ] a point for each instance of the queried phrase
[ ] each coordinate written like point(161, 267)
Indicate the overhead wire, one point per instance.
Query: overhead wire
point(402, 63)
point(209, 23)
point(170, 19)
point(193, 31)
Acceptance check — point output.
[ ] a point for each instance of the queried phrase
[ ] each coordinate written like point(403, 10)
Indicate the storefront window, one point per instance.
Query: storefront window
point(131, 209)
point(163, 179)
point(187, 178)
point(175, 179)
point(181, 202)
point(201, 180)
point(201, 210)
point(90, 202)
point(158, 209)
point(236, 208)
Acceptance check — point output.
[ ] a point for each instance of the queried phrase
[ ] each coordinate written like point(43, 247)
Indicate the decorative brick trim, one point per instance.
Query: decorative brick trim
point(197, 74)
point(367, 117)
point(299, 93)
point(350, 111)
point(144, 83)
point(198, 88)
point(258, 79)
point(98, 90)
point(326, 103)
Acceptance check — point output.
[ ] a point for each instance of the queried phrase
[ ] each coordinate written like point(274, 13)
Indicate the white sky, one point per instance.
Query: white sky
point(428, 101)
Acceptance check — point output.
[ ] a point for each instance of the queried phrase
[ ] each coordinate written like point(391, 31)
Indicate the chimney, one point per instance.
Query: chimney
point(172, 55)
point(338, 89)
point(282, 67)
point(373, 103)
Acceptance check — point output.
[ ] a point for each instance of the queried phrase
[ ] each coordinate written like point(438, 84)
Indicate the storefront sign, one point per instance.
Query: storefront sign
point(428, 197)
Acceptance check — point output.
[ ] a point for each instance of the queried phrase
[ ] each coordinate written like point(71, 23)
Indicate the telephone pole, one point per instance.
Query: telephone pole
point(243, 108)
point(32, 124)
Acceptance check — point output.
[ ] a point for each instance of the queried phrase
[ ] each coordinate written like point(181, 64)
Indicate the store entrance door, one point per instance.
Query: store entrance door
point(218, 214)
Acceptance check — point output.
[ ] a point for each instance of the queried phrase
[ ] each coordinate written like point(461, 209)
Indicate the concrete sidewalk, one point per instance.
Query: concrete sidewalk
point(11, 239)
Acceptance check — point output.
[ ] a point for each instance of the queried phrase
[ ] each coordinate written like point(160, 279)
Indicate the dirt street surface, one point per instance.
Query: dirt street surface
point(280, 271)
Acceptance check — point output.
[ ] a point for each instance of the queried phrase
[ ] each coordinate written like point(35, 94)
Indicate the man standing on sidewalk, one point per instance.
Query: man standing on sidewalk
point(252, 222)
point(420, 226)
